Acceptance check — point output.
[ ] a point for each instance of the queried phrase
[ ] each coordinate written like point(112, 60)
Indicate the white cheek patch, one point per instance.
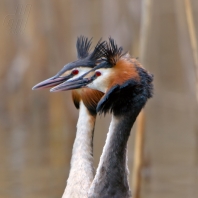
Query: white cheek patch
point(82, 70)
point(92, 85)
point(101, 83)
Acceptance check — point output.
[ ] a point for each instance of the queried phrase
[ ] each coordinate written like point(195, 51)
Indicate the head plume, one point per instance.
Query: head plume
point(89, 59)
point(98, 52)
point(113, 53)
point(83, 46)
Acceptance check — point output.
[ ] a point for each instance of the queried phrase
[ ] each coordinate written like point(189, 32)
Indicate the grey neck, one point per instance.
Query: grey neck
point(111, 178)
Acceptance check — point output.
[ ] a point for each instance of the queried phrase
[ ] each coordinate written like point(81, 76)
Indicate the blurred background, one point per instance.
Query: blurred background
point(37, 128)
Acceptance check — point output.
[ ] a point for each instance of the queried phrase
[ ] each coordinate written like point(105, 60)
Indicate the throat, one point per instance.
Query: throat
point(85, 130)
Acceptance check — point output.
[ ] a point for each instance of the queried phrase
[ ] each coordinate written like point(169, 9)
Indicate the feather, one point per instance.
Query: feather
point(83, 46)
point(113, 53)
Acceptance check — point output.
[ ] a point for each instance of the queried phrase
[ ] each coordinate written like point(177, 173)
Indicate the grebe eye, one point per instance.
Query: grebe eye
point(75, 72)
point(97, 73)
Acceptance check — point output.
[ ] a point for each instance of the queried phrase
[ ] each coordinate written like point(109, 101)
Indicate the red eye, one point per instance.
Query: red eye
point(97, 73)
point(75, 72)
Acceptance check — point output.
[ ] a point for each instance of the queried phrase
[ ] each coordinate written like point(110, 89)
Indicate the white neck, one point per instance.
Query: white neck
point(82, 171)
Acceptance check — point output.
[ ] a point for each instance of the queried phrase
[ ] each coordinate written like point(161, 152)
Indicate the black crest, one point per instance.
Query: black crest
point(83, 46)
point(99, 51)
point(89, 59)
point(113, 53)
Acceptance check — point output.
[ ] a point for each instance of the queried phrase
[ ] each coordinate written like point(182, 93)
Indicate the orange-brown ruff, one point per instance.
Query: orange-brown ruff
point(124, 69)
point(90, 98)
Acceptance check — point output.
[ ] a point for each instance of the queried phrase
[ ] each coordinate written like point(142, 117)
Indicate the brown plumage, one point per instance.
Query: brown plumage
point(124, 70)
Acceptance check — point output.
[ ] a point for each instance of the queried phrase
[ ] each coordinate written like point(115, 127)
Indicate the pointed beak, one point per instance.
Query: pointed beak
point(69, 85)
point(51, 82)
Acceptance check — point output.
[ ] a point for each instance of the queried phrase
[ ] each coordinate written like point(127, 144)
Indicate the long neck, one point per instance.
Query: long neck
point(111, 178)
point(82, 171)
